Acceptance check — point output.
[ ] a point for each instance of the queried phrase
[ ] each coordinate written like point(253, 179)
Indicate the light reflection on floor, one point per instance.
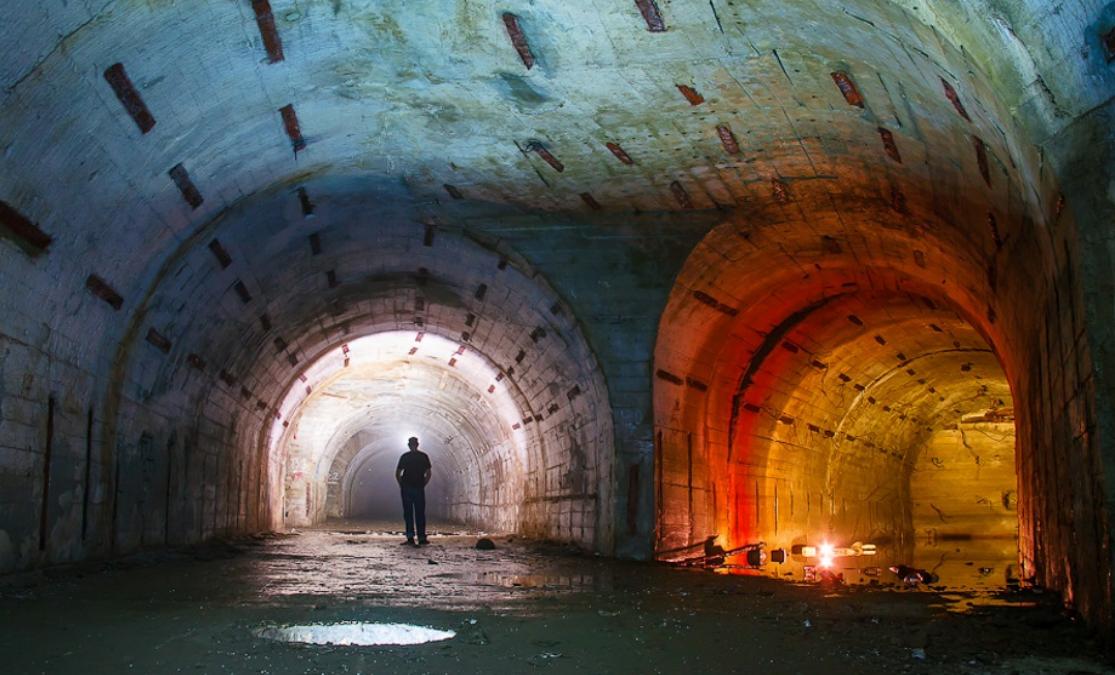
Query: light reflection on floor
point(973, 570)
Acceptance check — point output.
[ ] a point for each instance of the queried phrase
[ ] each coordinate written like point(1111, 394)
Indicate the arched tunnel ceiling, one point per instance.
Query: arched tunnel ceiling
point(875, 370)
point(391, 386)
point(227, 126)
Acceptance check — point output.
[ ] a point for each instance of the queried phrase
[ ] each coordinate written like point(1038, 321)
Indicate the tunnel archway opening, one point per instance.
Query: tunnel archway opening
point(850, 427)
point(349, 418)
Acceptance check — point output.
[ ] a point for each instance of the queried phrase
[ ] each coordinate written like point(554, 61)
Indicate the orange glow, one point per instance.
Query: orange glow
point(825, 553)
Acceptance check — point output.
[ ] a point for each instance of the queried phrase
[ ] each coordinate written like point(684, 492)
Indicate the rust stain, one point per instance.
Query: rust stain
point(889, 144)
point(189, 191)
point(681, 195)
point(158, 340)
point(518, 39)
point(955, 98)
point(125, 91)
point(692, 95)
point(293, 129)
point(102, 290)
point(651, 15)
point(589, 200)
point(25, 231)
point(780, 191)
point(620, 154)
point(994, 225)
point(728, 139)
point(669, 377)
point(267, 30)
point(851, 92)
point(898, 202)
point(546, 155)
point(981, 159)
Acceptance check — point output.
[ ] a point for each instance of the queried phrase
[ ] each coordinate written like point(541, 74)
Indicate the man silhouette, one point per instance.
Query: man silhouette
point(412, 474)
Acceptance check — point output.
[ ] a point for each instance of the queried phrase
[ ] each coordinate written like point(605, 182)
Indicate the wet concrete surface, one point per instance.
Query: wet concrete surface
point(523, 606)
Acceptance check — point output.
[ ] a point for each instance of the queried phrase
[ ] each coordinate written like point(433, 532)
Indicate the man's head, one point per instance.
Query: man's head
point(413, 442)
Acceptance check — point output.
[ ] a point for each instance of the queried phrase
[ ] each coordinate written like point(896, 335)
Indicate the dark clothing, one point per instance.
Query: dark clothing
point(414, 465)
point(411, 472)
point(414, 512)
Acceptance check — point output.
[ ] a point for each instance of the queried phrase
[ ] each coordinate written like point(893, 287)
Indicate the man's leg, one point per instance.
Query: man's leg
point(420, 514)
point(408, 512)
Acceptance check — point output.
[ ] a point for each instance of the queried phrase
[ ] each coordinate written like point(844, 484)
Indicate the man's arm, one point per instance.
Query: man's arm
point(426, 476)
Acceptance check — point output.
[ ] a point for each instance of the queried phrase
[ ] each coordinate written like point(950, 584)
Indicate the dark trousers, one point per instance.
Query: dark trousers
point(414, 511)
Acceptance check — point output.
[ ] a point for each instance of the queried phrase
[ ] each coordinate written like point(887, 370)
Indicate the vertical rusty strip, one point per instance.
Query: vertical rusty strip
point(889, 145)
point(728, 139)
point(220, 253)
point(100, 288)
point(995, 236)
point(955, 98)
point(293, 129)
point(271, 40)
point(780, 191)
point(242, 291)
point(681, 195)
point(590, 201)
point(546, 155)
point(651, 15)
point(22, 227)
point(189, 191)
point(898, 202)
point(848, 88)
point(692, 95)
point(125, 91)
point(518, 39)
point(47, 454)
point(453, 191)
point(620, 154)
point(86, 490)
point(981, 159)
point(158, 340)
point(305, 203)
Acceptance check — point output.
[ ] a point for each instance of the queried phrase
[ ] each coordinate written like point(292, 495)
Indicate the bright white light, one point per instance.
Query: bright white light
point(825, 553)
point(355, 634)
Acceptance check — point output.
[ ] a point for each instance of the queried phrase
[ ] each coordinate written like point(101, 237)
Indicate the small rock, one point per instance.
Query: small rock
point(471, 633)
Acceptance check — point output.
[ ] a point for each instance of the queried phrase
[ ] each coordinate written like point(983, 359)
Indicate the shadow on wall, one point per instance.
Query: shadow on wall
point(374, 494)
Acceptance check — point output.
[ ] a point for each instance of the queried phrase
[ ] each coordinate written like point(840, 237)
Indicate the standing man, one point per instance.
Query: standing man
point(412, 475)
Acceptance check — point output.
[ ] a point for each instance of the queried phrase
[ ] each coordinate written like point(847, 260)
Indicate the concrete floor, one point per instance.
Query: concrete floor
point(520, 606)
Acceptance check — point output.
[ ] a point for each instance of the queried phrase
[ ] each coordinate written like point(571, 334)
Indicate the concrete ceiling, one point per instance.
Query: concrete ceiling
point(572, 190)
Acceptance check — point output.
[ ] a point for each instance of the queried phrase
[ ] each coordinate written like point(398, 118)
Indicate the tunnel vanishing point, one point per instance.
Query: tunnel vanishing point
point(637, 272)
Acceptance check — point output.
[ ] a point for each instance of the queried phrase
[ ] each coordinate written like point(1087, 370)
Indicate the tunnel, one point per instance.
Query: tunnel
point(640, 275)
